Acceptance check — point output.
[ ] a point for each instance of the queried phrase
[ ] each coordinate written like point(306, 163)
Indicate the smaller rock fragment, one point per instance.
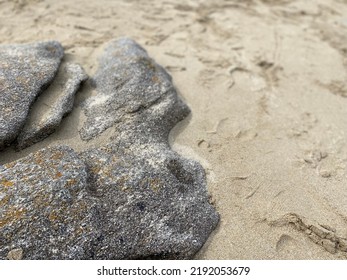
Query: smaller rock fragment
point(25, 71)
point(54, 104)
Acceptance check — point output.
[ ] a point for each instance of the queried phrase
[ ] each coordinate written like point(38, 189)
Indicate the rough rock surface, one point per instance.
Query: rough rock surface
point(127, 82)
point(134, 198)
point(42, 207)
point(44, 120)
point(25, 70)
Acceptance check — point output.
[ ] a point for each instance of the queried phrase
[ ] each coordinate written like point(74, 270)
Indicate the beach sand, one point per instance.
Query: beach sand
point(266, 82)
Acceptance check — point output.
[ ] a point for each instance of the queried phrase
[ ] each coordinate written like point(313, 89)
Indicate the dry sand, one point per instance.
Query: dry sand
point(266, 81)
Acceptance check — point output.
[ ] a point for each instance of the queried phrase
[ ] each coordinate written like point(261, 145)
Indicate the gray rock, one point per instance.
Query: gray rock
point(134, 198)
point(25, 70)
point(44, 119)
point(43, 210)
point(127, 82)
point(156, 202)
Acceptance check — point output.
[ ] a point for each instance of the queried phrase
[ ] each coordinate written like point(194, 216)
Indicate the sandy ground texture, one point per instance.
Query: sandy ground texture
point(266, 81)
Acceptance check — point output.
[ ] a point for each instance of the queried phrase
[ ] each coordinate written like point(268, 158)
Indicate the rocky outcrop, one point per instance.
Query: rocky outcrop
point(25, 70)
point(133, 198)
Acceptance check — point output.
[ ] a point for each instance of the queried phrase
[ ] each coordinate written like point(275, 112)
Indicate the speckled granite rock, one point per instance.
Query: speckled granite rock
point(25, 70)
point(154, 203)
point(43, 210)
point(134, 198)
point(127, 82)
point(44, 120)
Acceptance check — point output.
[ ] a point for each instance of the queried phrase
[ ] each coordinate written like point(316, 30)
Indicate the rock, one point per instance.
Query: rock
point(154, 202)
point(44, 120)
point(43, 209)
point(25, 70)
point(133, 198)
point(127, 82)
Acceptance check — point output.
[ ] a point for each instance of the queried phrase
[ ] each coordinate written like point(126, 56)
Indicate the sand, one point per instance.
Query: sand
point(266, 82)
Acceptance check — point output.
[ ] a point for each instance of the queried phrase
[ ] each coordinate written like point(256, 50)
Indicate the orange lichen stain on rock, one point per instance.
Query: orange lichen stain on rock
point(6, 183)
point(155, 184)
point(55, 217)
point(12, 215)
point(71, 182)
point(95, 169)
point(38, 159)
point(41, 200)
point(57, 156)
point(4, 201)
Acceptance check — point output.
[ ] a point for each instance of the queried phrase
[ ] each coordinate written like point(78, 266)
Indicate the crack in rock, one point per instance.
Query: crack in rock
point(44, 120)
point(25, 70)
